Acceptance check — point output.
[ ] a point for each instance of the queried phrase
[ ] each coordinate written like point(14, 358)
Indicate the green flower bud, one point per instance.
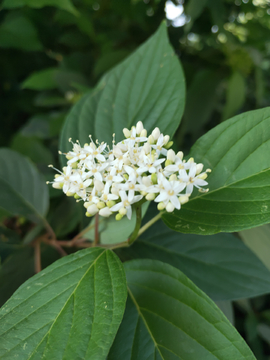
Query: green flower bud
point(168, 145)
point(110, 203)
point(123, 211)
point(168, 162)
point(100, 205)
point(76, 196)
point(69, 193)
point(173, 177)
point(161, 206)
point(118, 217)
point(150, 196)
point(154, 178)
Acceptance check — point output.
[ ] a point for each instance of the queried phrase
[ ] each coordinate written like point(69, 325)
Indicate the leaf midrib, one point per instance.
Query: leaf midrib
point(73, 292)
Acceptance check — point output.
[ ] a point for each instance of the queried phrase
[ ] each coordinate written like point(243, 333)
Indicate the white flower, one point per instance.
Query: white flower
point(109, 180)
point(149, 164)
point(159, 145)
point(126, 202)
point(194, 180)
point(170, 193)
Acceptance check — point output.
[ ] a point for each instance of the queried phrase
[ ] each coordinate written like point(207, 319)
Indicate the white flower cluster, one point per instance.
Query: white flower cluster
point(139, 167)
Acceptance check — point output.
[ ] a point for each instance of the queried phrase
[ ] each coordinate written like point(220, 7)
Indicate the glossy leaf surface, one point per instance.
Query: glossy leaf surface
point(239, 196)
point(70, 310)
point(221, 265)
point(23, 190)
point(169, 318)
point(148, 86)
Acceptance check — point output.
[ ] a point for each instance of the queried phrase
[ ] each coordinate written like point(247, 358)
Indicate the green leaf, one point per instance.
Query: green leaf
point(41, 80)
point(16, 269)
point(203, 93)
point(169, 318)
point(235, 96)
point(37, 126)
point(65, 216)
point(221, 265)
point(32, 148)
point(258, 240)
point(112, 231)
point(9, 243)
point(37, 4)
point(16, 31)
point(194, 8)
point(227, 308)
point(72, 309)
point(23, 190)
point(239, 196)
point(148, 86)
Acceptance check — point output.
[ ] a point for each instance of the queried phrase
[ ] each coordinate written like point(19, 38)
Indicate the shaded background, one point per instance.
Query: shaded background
point(52, 52)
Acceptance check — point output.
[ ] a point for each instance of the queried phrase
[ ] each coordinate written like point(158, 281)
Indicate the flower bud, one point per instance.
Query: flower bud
point(168, 145)
point(110, 203)
point(183, 199)
point(69, 193)
point(92, 209)
point(154, 178)
point(143, 133)
point(202, 176)
point(99, 185)
point(173, 177)
point(161, 206)
point(199, 168)
point(191, 160)
point(57, 185)
point(106, 212)
point(139, 127)
point(126, 133)
point(151, 139)
point(203, 190)
point(118, 217)
point(76, 196)
point(100, 205)
point(170, 207)
point(156, 133)
point(166, 139)
point(168, 162)
point(171, 155)
point(147, 148)
point(123, 211)
point(150, 196)
point(180, 154)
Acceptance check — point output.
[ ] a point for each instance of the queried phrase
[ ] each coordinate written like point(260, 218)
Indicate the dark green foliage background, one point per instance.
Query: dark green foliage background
point(51, 56)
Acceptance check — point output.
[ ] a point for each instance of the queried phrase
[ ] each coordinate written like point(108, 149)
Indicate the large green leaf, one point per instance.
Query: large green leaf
point(148, 86)
point(23, 190)
point(169, 318)
point(70, 310)
point(239, 197)
point(17, 31)
point(235, 96)
point(221, 265)
point(62, 4)
point(258, 240)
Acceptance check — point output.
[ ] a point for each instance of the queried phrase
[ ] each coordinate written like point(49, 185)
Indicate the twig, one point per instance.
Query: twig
point(37, 256)
point(96, 240)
